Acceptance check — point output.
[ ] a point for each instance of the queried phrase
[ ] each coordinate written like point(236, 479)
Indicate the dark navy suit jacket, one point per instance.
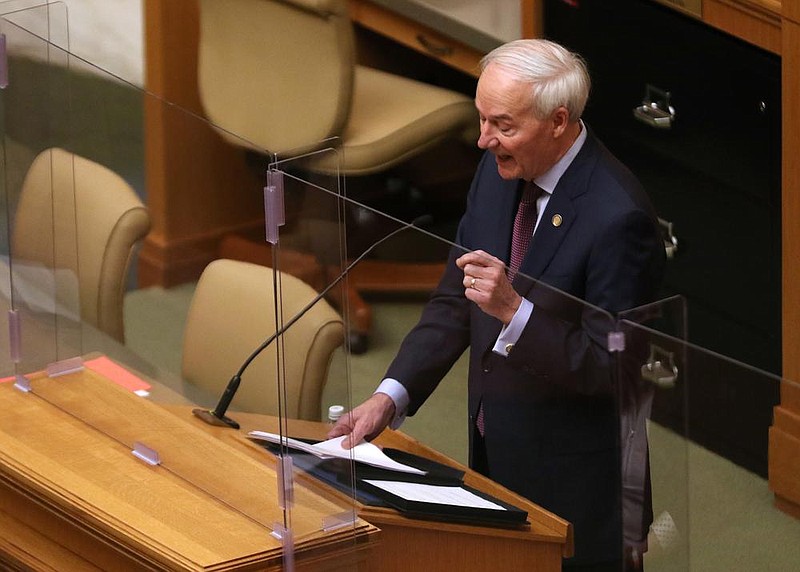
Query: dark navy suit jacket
point(552, 430)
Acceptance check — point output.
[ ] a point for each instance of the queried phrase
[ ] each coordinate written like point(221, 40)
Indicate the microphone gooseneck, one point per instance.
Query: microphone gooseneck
point(217, 415)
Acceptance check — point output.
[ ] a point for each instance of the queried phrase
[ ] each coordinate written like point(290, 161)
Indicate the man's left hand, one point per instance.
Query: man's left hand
point(487, 285)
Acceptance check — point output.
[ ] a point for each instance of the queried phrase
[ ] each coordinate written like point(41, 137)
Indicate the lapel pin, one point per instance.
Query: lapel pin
point(557, 220)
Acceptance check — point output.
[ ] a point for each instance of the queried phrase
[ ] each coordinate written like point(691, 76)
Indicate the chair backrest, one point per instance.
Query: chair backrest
point(278, 73)
point(76, 215)
point(232, 313)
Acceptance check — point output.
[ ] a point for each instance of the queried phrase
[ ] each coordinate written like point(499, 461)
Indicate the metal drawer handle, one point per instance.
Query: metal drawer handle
point(655, 109)
point(438, 50)
point(660, 368)
point(670, 240)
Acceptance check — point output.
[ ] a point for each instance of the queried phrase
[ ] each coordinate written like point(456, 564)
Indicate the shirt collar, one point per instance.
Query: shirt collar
point(548, 181)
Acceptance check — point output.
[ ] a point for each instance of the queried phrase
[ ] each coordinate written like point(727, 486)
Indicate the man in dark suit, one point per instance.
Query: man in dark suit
point(543, 387)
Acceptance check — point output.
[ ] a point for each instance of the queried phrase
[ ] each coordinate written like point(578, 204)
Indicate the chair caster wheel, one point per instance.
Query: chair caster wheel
point(358, 343)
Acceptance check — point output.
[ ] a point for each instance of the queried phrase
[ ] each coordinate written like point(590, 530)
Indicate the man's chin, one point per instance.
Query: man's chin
point(507, 174)
point(507, 168)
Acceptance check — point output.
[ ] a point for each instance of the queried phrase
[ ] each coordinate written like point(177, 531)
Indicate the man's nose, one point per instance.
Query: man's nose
point(486, 139)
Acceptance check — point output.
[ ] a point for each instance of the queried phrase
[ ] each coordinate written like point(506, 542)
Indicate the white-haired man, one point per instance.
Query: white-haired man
point(542, 385)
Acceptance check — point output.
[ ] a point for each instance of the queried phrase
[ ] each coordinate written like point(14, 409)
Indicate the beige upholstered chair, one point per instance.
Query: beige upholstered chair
point(282, 76)
point(78, 216)
point(232, 313)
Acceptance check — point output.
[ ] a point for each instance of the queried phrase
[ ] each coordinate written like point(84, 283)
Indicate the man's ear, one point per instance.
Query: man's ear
point(560, 119)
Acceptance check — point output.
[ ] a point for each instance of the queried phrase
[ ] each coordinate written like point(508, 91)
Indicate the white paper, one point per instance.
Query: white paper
point(435, 494)
point(289, 442)
point(364, 452)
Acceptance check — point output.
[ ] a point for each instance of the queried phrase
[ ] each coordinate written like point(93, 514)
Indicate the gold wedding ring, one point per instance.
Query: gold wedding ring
point(472, 282)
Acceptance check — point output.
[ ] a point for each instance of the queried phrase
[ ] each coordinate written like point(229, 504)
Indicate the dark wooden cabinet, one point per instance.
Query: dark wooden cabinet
point(715, 174)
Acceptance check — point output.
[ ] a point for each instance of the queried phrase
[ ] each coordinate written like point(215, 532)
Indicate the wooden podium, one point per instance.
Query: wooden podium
point(412, 544)
point(74, 497)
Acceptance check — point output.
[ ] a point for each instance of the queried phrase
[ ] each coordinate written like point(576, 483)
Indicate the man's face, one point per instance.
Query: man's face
point(524, 147)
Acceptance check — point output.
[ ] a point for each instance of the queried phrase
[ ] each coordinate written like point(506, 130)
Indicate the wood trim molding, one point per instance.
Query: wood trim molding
point(791, 10)
point(532, 18)
point(784, 460)
point(784, 435)
point(755, 21)
point(790, 199)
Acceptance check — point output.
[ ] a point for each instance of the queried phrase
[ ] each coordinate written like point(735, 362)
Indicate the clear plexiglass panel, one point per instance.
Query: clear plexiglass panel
point(75, 189)
point(718, 450)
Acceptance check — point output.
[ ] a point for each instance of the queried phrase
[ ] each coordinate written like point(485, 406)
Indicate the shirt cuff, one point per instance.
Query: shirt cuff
point(399, 394)
point(511, 333)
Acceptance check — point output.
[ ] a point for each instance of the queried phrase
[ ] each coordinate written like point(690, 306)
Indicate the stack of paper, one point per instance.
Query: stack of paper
point(364, 452)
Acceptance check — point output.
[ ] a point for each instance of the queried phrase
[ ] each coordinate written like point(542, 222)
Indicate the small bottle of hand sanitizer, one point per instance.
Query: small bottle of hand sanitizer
point(334, 412)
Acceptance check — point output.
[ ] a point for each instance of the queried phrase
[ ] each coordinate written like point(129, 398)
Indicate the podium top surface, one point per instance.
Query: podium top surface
point(68, 445)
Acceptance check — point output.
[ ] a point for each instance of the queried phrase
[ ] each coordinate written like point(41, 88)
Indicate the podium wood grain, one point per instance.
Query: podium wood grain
point(73, 497)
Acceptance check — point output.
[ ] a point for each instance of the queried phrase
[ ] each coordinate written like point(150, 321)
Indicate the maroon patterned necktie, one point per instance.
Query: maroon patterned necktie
point(524, 223)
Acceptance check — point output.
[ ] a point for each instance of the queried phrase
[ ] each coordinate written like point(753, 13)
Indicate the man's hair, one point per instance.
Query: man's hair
point(557, 76)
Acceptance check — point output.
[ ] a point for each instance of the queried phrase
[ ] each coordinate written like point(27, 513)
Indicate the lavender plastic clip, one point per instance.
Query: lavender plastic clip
point(146, 454)
point(273, 205)
point(285, 482)
point(14, 335)
point(3, 62)
point(287, 541)
point(616, 341)
point(65, 366)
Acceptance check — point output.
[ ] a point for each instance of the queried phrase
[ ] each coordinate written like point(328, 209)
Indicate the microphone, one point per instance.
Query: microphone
point(217, 415)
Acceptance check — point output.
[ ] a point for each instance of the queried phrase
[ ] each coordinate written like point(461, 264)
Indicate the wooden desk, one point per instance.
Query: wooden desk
point(427, 31)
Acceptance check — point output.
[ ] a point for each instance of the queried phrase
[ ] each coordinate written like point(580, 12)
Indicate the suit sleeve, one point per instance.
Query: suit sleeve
point(443, 332)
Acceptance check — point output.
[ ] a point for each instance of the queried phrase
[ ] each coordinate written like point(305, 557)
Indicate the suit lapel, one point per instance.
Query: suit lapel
point(549, 234)
point(560, 213)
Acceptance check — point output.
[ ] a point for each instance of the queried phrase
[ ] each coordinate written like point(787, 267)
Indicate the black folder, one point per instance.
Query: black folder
point(338, 473)
point(507, 515)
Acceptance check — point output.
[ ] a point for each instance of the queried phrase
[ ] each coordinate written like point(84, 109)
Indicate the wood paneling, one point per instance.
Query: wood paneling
point(791, 199)
point(784, 460)
point(784, 437)
point(532, 18)
point(791, 10)
point(199, 188)
point(757, 22)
